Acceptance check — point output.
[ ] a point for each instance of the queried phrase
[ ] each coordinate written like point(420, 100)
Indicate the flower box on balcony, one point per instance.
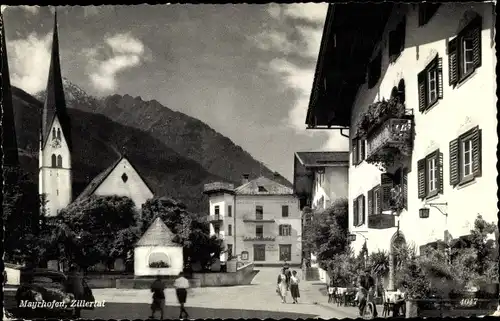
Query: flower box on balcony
point(259, 238)
point(381, 221)
point(217, 218)
point(393, 136)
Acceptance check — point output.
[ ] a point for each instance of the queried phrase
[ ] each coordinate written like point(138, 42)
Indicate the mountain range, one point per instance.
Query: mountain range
point(176, 154)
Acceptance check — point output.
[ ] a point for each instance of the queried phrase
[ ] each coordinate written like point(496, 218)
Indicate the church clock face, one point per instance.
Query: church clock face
point(56, 143)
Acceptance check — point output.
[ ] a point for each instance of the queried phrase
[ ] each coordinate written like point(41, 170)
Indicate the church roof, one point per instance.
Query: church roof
point(157, 234)
point(263, 186)
point(55, 103)
point(10, 153)
point(99, 179)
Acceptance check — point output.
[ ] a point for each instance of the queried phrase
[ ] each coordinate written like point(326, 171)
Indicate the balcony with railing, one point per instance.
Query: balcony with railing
point(216, 218)
point(218, 187)
point(261, 238)
point(256, 218)
point(393, 135)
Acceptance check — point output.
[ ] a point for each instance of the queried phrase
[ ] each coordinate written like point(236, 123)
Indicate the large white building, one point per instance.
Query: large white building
point(259, 221)
point(435, 137)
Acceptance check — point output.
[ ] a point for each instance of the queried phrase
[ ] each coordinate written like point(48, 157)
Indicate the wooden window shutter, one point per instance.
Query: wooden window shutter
point(422, 95)
point(386, 184)
point(355, 212)
point(404, 187)
point(476, 151)
point(355, 151)
point(476, 42)
point(440, 77)
point(363, 215)
point(453, 62)
point(370, 202)
point(439, 163)
point(362, 145)
point(377, 209)
point(454, 163)
point(422, 186)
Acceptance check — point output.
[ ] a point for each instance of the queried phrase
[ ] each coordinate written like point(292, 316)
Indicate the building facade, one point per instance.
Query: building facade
point(259, 221)
point(320, 178)
point(420, 108)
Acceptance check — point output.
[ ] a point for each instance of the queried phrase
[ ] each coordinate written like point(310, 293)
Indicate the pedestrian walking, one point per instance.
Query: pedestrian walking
point(74, 286)
point(181, 285)
point(282, 287)
point(330, 289)
point(158, 289)
point(294, 287)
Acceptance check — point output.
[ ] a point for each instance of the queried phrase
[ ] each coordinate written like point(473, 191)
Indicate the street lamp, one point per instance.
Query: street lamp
point(352, 237)
point(424, 212)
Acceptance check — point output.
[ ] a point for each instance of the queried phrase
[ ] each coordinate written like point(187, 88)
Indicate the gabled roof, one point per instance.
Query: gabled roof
point(99, 179)
point(263, 186)
point(9, 145)
point(323, 159)
point(55, 103)
point(157, 234)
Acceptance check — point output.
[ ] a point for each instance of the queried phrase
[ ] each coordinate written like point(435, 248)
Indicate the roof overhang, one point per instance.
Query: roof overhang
point(350, 34)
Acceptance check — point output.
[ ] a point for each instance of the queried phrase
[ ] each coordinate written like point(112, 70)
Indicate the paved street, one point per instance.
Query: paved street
point(258, 300)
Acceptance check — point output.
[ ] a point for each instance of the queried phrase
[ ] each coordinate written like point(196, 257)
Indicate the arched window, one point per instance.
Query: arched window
point(59, 133)
point(394, 92)
point(158, 260)
point(53, 133)
point(401, 90)
point(54, 160)
point(59, 161)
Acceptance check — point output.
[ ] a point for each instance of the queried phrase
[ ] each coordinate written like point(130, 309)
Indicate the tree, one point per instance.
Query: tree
point(191, 230)
point(21, 206)
point(326, 234)
point(97, 229)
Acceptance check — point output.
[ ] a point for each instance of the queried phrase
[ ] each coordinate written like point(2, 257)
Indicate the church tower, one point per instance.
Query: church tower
point(55, 140)
point(9, 138)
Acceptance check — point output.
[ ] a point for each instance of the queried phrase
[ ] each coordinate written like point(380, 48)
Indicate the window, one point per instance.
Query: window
point(284, 211)
point(216, 210)
point(229, 251)
point(430, 175)
point(430, 84)
point(54, 160)
point(59, 161)
point(259, 231)
point(465, 157)
point(57, 192)
point(397, 41)
point(285, 230)
point(374, 70)
point(229, 210)
point(373, 205)
point(358, 151)
point(59, 133)
point(262, 189)
point(217, 231)
point(359, 210)
point(464, 52)
point(53, 133)
point(426, 11)
point(285, 252)
point(229, 229)
point(259, 212)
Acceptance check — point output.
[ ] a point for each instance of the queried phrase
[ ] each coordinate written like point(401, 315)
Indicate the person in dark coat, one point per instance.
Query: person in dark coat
point(75, 286)
point(366, 291)
point(158, 289)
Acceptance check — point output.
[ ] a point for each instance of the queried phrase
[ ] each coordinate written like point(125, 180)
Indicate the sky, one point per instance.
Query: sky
point(246, 70)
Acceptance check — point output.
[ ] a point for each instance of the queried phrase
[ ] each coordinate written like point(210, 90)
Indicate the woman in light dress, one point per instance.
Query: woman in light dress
point(282, 285)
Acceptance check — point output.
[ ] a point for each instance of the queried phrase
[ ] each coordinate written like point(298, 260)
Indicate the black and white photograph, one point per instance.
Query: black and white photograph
point(270, 161)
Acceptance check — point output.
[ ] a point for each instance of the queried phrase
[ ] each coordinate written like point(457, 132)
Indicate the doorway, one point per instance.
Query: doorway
point(259, 252)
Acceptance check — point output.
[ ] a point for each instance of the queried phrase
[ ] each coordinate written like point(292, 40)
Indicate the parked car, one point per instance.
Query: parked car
point(44, 292)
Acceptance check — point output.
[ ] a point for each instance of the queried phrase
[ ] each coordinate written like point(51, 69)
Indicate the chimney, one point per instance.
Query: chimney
point(244, 179)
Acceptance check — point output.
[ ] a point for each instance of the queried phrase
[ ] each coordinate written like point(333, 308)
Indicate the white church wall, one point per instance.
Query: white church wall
point(131, 185)
point(55, 181)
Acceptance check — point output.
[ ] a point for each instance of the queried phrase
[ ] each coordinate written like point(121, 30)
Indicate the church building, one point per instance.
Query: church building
point(55, 169)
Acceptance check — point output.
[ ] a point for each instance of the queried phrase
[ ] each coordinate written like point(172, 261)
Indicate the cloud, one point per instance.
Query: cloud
point(31, 9)
point(125, 52)
point(313, 12)
point(30, 62)
point(90, 11)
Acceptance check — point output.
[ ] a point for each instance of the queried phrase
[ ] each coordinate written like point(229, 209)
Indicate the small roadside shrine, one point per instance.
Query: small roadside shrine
point(156, 253)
